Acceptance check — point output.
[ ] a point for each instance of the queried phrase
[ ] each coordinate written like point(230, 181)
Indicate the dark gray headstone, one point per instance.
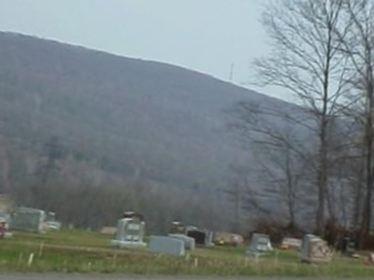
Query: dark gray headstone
point(28, 219)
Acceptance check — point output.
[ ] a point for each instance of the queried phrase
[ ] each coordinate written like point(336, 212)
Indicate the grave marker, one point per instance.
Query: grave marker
point(315, 250)
point(260, 244)
point(202, 237)
point(167, 245)
point(130, 233)
point(28, 219)
point(189, 242)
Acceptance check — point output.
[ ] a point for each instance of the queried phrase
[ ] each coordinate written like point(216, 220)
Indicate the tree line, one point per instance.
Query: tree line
point(321, 163)
point(84, 196)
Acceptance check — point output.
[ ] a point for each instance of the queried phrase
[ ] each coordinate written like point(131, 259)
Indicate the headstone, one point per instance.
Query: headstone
point(130, 233)
point(260, 244)
point(291, 243)
point(177, 228)
point(51, 223)
point(348, 246)
point(3, 228)
point(370, 259)
point(108, 230)
point(315, 250)
point(28, 219)
point(167, 245)
point(133, 215)
point(5, 216)
point(227, 238)
point(189, 242)
point(6, 204)
point(202, 237)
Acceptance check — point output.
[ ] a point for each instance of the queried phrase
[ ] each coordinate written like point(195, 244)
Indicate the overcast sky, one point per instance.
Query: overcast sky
point(205, 35)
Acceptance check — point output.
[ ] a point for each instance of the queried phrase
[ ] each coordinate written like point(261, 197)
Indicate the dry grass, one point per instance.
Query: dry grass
point(79, 251)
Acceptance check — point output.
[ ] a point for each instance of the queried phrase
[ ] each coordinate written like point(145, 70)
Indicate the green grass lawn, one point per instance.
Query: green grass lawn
point(81, 251)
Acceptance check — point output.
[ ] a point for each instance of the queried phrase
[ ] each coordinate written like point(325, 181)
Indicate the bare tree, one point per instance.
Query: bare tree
point(358, 46)
point(286, 176)
point(246, 197)
point(5, 166)
point(234, 194)
point(281, 157)
point(306, 61)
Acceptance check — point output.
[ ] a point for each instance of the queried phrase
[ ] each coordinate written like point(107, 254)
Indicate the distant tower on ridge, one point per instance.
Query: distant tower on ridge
point(231, 76)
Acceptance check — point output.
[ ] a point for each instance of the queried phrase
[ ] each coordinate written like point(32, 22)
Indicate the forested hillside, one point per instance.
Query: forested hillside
point(76, 122)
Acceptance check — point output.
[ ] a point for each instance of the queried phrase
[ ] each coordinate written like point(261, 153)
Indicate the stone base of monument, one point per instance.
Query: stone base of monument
point(127, 244)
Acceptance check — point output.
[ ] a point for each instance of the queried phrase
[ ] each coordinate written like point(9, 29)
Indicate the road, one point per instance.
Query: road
point(125, 277)
point(99, 277)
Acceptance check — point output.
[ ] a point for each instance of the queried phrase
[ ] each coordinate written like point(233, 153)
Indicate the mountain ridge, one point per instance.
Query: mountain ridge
point(138, 118)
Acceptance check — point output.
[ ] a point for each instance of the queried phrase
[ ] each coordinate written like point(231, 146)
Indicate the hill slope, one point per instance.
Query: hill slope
point(138, 119)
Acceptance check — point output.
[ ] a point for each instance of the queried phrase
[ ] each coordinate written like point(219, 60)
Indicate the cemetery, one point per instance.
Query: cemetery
point(185, 250)
point(89, 252)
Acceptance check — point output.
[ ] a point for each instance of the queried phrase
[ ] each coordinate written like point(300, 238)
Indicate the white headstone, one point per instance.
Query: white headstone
point(370, 259)
point(108, 230)
point(130, 233)
point(291, 243)
point(227, 238)
point(260, 244)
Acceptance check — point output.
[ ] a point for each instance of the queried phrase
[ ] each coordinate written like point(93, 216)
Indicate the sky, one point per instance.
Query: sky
point(216, 37)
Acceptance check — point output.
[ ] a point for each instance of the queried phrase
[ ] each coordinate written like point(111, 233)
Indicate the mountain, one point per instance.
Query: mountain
point(141, 119)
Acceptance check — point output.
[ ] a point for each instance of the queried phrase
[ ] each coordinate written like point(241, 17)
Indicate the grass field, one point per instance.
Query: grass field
point(81, 251)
